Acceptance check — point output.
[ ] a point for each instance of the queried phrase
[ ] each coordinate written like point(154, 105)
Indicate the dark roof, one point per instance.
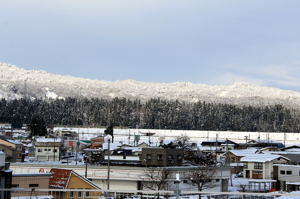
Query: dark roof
point(31, 174)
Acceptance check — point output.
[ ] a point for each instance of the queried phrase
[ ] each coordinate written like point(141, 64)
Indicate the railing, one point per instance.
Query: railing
point(19, 193)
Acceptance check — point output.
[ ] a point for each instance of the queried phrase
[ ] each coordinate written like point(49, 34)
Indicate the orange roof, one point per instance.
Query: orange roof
point(59, 178)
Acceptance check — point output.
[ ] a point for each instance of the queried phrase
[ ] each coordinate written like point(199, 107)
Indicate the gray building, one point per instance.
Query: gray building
point(161, 157)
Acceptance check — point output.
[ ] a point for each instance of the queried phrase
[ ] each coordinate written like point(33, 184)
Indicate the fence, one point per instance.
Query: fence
point(18, 193)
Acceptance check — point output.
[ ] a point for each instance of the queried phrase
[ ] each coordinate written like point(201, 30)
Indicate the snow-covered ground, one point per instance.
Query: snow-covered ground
point(127, 135)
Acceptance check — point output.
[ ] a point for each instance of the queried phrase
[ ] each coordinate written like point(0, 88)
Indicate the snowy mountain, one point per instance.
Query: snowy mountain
point(17, 82)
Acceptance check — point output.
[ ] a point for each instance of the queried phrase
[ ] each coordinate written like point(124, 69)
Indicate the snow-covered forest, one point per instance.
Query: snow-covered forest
point(152, 114)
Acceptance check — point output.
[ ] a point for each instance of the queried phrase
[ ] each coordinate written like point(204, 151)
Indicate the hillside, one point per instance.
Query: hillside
point(17, 83)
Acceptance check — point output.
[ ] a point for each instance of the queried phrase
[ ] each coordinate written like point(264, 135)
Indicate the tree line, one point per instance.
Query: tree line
point(152, 114)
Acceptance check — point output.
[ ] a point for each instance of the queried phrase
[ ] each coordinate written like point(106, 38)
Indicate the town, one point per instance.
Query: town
point(76, 162)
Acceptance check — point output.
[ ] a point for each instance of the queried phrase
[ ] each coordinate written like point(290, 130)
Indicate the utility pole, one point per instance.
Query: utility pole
point(54, 159)
point(108, 166)
point(86, 162)
point(76, 151)
point(246, 138)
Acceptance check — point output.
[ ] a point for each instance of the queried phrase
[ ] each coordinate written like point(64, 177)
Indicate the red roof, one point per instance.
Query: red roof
point(59, 178)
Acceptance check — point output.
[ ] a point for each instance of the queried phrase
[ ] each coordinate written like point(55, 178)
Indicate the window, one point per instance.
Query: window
point(282, 172)
point(257, 174)
point(179, 157)
point(245, 165)
point(45, 149)
point(39, 150)
point(71, 194)
point(170, 157)
point(54, 150)
point(33, 185)
point(49, 149)
point(159, 157)
point(87, 194)
point(14, 185)
point(149, 157)
point(289, 172)
point(258, 165)
point(79, 194)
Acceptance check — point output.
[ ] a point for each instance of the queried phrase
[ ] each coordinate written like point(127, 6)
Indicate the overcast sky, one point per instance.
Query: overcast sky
point(211, 42)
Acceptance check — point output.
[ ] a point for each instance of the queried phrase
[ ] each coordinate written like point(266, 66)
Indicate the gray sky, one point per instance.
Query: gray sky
point(212, 42)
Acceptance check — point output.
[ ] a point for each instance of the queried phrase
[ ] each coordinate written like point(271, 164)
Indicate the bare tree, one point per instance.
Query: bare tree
point(156, 178)
point(201, 176)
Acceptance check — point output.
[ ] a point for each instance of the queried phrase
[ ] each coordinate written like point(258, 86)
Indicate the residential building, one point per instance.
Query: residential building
point(97, 142)
point(14, 150)
point(47, 149)
point(69, 179)
point(287, 176)
point(161, 156)
point(124, 156)
point(30, 181)
point(260, 166)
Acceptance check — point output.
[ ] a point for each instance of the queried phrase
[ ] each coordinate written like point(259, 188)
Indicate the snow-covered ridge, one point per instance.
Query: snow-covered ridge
point(17, 82)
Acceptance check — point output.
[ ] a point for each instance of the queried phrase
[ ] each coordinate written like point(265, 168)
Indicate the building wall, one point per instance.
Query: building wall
point(122, 185)
point(46, 153)
point(28, 182)
point(76, 182)
point(9, 152)
point(164, 160)
point(293, 177)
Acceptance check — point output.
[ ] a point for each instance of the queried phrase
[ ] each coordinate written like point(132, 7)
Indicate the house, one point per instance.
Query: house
point(124, 156)
point(30, 181)
point(5, 177)
point(14, 150)
point(156, 156)
point(68, 179)
point(293, 148)
point(260, 166)
point(47, 149)
point(264, 143)
point(97, 142)
point(219, 143)
point(287, 176)
point(233, 157)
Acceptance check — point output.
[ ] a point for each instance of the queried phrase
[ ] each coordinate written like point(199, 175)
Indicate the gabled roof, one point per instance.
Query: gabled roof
point(60, 178)
point(261, 158)
point(243, 152)
point(290, 148)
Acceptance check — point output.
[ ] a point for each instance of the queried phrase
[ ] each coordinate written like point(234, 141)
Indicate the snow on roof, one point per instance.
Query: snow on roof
point(209, 148)
point(14, 141)
point(35, 197)
point(43, 139)
point(244, 152)
point(134, 149)
point(260, 158)
point(292, 195)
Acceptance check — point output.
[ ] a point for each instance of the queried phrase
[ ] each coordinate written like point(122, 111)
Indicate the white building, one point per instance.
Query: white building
point(47, 149)
point(260, 166)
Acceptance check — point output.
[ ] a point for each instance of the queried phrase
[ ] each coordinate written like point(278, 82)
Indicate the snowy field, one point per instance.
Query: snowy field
point(127, 135)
